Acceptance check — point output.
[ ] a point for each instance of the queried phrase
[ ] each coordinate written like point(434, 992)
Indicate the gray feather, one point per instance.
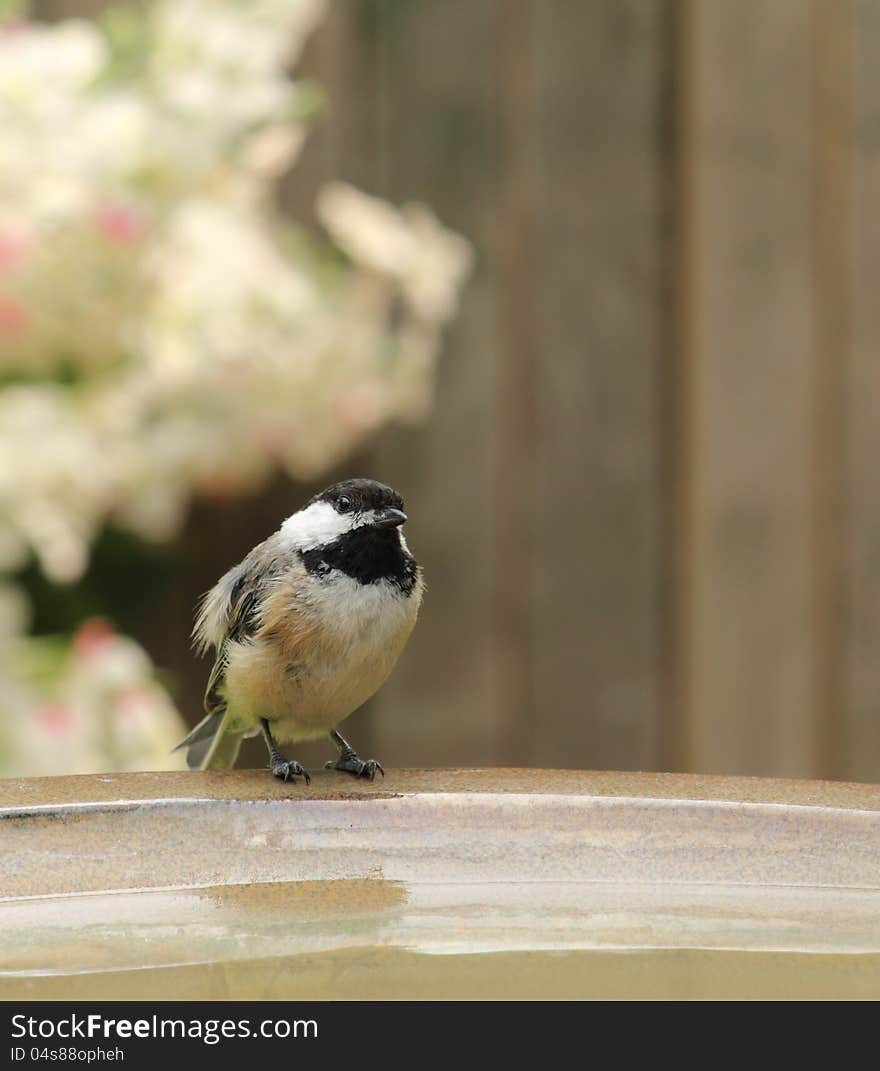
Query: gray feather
point(231, 610)
point(203, 731)
point(195, 753)
point(209, 747)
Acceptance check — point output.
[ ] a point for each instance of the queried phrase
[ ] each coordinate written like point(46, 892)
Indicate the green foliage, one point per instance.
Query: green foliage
point(126, 29)
point(126, 576)
point(13, 9)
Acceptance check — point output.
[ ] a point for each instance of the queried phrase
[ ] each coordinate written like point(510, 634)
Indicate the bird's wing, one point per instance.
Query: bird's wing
point(231, 611)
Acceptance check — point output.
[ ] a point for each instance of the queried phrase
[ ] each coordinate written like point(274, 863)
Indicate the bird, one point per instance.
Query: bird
point(306, 629)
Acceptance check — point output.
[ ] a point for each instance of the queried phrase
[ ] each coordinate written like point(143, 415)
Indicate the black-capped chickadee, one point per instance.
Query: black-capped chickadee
point(307, 628)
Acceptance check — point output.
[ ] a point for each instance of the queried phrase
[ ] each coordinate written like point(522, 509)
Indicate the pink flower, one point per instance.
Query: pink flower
point(360, 407)
point(12, 251)
point(55, 719)
point(13, 318)
point(93, 638)
point(119, 224)
point(133, 701)
point(273, 437)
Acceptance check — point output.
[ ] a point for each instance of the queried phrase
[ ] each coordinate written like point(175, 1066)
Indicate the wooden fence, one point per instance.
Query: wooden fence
point(647, 501)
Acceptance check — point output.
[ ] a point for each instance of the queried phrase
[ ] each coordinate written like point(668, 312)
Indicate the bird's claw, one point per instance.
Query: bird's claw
point(284, 770)
point(354, 764)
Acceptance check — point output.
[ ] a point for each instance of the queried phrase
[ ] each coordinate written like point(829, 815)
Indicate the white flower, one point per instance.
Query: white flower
point(43, 67)
point(271, 150)
point(410, 245)
point(439, 266)
point(202, 340)
point(370, 231)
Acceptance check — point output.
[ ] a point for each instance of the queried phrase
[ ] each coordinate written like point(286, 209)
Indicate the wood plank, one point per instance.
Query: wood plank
point(437, 144)
point(861, 751)
point(515, 406)
point(604, 101)
point(340, 59)
point(832, 151)
point(750, 384)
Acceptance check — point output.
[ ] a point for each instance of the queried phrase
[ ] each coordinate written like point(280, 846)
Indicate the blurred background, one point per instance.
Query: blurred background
point(591, 283)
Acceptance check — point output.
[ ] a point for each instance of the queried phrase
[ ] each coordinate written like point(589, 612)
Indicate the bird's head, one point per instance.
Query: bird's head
point(351, 506)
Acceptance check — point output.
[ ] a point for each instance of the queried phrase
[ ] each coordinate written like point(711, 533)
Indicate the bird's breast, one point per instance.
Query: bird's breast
point(327, 644)
point(353, 613)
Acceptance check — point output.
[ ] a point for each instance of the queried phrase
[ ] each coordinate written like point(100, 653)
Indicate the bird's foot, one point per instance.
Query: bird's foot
point(351, 762)
point(284, 770)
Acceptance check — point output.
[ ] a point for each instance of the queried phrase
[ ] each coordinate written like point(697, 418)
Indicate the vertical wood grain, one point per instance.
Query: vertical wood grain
point(861, 752)
point(603, 111)
point(750, 387)
point(832, 241)
point(437, 144)
point(518, 452)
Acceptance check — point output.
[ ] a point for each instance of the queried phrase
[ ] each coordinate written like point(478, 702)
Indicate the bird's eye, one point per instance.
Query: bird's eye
point(344, 504)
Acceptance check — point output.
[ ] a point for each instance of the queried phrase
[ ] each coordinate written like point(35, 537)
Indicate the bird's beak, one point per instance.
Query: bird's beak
point(389, 518)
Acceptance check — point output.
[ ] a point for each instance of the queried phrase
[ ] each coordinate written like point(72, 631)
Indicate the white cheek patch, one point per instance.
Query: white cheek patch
point(320, 524)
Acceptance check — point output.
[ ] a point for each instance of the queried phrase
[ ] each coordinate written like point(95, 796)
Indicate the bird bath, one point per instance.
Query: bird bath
point(438, 884)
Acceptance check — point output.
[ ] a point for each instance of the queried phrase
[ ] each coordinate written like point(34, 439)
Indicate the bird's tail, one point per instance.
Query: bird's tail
point(211, 746)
